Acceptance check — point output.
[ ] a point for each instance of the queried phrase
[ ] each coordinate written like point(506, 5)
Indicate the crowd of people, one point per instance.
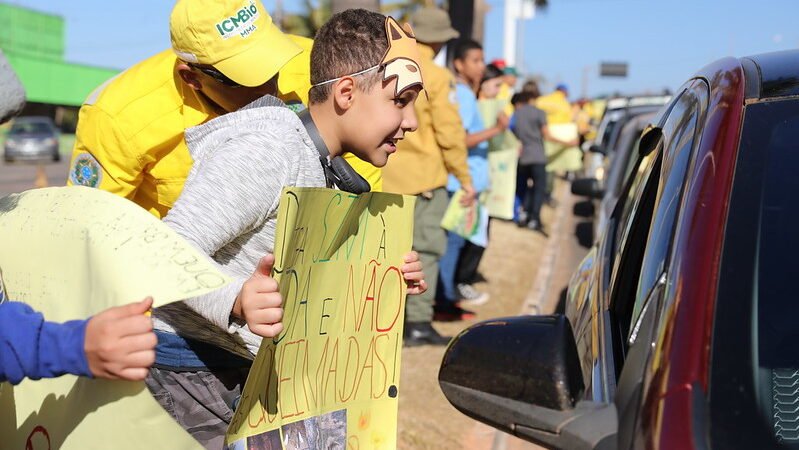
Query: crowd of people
point(237, 110)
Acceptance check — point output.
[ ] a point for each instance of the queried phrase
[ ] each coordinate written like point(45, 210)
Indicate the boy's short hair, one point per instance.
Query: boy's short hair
point(463, 46)
point(531, 86)
point(351, 41)
point(521, 98)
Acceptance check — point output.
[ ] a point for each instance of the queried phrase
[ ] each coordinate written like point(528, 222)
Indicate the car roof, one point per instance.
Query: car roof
point(627, 102)
point(772, 75)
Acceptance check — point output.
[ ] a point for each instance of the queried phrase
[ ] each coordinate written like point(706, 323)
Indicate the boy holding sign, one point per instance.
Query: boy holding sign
point(364, 70)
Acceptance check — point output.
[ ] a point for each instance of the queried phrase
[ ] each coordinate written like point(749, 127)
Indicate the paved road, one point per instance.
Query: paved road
point(565, 248)
point(18, 177)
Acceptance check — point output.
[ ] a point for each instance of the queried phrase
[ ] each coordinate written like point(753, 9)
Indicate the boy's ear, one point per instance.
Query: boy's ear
point(189, 77)
point(457, 65)
point(344, 92)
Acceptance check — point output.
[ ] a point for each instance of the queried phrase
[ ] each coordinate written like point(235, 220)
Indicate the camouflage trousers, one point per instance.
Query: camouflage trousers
point(202, 402)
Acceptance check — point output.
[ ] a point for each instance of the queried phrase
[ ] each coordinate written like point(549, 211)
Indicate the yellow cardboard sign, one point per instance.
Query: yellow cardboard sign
point(71, 252)
point(562, 158)
point(502, 173)
point(331, 378)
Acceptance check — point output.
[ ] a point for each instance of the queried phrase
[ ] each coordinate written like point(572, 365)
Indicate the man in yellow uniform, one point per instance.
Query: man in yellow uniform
point(129, 139)
point(422, 163)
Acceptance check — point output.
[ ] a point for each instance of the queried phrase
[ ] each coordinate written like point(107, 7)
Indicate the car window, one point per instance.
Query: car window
point(679, 132)
point(754, 385)
point(629, 202)
point(627, 264)
point(777, 308)
point(30, 128)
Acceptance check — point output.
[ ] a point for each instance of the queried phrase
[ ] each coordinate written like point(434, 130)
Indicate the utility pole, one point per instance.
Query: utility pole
point(516, 13)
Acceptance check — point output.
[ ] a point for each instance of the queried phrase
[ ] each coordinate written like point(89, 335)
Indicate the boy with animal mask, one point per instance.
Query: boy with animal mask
point(365, 77)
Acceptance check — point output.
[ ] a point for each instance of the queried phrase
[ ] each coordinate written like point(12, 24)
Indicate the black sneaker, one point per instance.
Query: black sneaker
point(536, 225)
point(451, 312)
point(422, 333)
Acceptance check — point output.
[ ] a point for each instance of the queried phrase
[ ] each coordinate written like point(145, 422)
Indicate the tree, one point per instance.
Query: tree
point(308, 22)
point(402, 10)
point(341, 5)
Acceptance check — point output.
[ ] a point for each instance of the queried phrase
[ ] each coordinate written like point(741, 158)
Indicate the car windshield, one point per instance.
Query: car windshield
point(30, 128)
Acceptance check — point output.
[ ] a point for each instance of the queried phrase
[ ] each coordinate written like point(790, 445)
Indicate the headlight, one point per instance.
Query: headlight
point(11, 143)
point(50, 141)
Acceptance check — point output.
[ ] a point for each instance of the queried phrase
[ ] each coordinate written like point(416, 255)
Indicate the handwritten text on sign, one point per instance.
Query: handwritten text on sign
point(332, 376)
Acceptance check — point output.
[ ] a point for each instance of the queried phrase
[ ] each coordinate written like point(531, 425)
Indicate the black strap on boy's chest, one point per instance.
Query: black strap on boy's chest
point(337, 170)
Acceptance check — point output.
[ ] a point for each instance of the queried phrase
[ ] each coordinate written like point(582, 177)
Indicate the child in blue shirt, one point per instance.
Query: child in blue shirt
point(453, 292)
point(116, 344)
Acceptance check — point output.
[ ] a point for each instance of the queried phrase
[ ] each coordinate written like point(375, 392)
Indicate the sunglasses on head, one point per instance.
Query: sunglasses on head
point(216, 75)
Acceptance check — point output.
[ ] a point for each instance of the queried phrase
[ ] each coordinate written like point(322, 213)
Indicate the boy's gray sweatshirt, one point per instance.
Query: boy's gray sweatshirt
point(228, 209)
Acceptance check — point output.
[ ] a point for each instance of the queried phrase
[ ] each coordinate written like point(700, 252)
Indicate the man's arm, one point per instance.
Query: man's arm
point(102, 156)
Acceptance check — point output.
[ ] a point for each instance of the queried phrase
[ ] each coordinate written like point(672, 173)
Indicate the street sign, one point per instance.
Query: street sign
point(613, 69)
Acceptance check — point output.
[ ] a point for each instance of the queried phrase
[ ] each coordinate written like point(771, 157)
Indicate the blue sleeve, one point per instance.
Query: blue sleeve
point(33, 348)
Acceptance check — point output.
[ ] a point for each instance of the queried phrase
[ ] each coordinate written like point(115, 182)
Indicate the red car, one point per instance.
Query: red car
point(681, 328)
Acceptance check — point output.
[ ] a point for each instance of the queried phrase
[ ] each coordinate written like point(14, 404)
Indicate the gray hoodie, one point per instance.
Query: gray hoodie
point(228, 209)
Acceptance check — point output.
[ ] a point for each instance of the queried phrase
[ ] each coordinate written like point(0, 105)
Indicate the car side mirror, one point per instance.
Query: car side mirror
point(587, 187)
point(522, 375)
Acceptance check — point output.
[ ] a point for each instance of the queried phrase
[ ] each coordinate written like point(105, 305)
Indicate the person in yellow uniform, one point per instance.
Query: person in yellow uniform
point(560, 120)
point(422, 164)
point(129, 139)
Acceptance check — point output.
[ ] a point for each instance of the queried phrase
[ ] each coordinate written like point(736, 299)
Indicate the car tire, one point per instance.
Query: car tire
point(57, 157)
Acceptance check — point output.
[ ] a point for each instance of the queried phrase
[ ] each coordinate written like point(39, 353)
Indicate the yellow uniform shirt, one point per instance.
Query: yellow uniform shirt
point(438, 146)
point(129, 139)
point(557, 108)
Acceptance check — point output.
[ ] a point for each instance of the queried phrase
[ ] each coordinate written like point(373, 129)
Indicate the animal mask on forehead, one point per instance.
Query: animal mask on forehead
point(402, 57)
point(401, 60)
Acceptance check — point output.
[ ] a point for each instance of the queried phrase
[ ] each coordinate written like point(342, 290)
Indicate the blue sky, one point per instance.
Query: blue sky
point(664, 41)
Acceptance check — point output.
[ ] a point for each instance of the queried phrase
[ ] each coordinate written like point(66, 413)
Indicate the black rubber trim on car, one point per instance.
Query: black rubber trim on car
point(752, 79)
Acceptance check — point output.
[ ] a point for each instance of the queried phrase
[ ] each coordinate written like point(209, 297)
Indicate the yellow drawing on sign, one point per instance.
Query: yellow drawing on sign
point(71, 252)
point(331, 379)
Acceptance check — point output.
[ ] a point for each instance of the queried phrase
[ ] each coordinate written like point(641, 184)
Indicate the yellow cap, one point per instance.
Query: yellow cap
point(237, 37)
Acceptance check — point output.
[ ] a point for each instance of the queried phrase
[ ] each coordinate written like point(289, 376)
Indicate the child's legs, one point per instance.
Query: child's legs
point(202, 402)
point(471, 255)
point(539, 174)
point(522, 177)
point(524, 174)
point(448, 266)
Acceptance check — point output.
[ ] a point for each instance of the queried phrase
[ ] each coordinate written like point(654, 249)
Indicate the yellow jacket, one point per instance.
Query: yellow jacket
point(438, 146)
point(129, 139)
